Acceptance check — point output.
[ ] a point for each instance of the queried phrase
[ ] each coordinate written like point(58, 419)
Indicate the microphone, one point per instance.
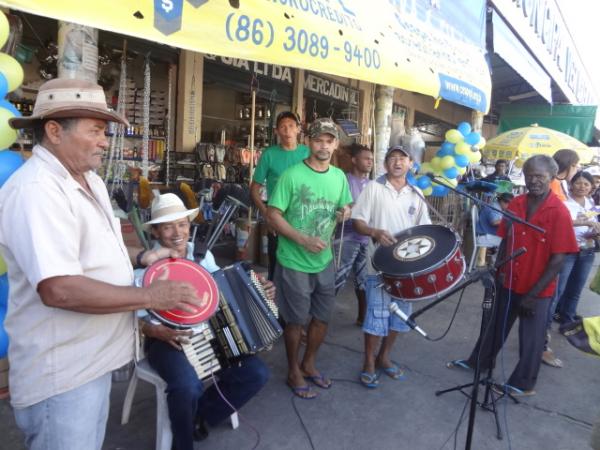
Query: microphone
point(395, 309)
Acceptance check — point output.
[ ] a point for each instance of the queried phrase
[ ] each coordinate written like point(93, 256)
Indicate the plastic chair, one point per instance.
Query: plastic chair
point(164, 436)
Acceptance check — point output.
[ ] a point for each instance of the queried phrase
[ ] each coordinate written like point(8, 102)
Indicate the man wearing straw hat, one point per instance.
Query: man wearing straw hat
point(69, 319)
point(190, 405)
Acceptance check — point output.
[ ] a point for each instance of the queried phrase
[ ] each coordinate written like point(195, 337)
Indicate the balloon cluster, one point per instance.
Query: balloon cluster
point(11, 77)
point(460, 149)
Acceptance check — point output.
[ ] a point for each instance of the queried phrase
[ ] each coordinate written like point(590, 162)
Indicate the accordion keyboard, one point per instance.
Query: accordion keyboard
point(200, 352)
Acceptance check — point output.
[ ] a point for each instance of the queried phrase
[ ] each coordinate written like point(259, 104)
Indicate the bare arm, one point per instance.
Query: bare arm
point(381, 236)
point(281, 226)
point(83, 294)
point(256, 198)
point(552, 268)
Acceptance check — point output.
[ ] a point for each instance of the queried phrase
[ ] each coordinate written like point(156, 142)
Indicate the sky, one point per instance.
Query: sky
point(583, 18)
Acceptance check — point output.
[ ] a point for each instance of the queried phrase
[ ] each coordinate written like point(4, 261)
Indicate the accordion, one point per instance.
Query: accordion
point(245, 323)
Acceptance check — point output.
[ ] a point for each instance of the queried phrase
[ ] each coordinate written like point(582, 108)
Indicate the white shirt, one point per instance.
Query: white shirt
point(575, 209)
point(381, 206)
point(50, 226)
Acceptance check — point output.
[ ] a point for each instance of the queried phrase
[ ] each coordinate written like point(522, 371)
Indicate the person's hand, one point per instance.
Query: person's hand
point(527, 306)
point(384, 237)
point(343, 214)
point(164, 294)
point(268, 286)
point(151, 256)
point(169, 335)
point(594, 227)
point(314, 244)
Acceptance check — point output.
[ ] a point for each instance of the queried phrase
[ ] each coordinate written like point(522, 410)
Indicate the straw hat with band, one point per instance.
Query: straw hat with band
point(168, 208)
point(64, 98)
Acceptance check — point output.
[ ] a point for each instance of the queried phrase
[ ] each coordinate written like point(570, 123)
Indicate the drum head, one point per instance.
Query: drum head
point(179, 269)
point(418, 248)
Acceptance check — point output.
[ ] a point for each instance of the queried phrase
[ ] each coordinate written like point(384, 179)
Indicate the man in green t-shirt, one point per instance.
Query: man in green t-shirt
point(274, 160)
point(308, 199)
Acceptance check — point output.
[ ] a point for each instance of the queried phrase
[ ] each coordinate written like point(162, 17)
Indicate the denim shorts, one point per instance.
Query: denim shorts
point(378, 319)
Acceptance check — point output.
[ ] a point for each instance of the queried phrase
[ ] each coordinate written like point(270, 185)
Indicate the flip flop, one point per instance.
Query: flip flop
point(369, 380)
point(303, 392)
point(394, 372)
point(458, 364)
point(319, 381)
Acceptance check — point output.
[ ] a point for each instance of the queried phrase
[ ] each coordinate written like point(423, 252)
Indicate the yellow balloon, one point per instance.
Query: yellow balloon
point(461, 170)
point(481, 143)
point(2, 266)
point(462, 148)
point(12, 71)
point(4, 29)
point(435, 162)
point(427, 191)
point(426, 168)
point(454, 136)
point(475, 157)
point(447, 162)
point(7, 134)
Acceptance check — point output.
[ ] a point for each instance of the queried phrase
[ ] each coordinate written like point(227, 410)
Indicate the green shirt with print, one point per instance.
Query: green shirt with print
point(273, 161)
point(308, 200)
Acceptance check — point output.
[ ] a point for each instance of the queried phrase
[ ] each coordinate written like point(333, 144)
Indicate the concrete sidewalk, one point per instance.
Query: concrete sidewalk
point(398, 414)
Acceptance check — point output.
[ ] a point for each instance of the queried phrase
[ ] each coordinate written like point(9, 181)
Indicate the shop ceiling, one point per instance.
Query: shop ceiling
point(433, 48)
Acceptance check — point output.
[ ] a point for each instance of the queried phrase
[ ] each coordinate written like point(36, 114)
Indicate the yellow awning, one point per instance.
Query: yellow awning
point(419, 50)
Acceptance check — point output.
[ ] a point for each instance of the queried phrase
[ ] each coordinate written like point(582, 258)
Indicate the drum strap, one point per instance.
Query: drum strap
point(430, 206)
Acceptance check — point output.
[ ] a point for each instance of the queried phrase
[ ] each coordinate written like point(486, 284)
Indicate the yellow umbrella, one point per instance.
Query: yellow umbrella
point(522, 143)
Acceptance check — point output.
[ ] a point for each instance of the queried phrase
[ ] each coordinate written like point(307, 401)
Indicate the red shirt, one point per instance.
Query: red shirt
point(553, 216)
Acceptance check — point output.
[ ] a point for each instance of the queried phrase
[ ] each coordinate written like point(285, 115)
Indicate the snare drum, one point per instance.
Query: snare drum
point(179, 269)
point(424, 263)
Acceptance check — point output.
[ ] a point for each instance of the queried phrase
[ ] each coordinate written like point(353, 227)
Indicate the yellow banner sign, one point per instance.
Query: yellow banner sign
point(389, 42)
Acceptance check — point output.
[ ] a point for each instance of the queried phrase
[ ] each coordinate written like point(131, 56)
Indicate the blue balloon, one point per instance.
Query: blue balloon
point(3, 342)
point(445, 151)
point(447, 146)
point(473, 138)
point(12, 108)
point(423, 182)
point(9, 162)
point(410, 178)
point(451, 173)
point(439, 191)
point(461, 160)
point(3, 290)
point(416, 166)
point(3, 85)
point(464, 128)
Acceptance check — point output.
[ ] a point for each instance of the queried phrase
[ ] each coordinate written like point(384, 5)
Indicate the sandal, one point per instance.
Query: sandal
point(394, 372)
point(303, 392)
point(319, 381)
point(369, 380)
point(458, 364)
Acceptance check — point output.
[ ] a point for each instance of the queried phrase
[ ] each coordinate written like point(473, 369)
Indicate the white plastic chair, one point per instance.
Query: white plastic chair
point(164, 436)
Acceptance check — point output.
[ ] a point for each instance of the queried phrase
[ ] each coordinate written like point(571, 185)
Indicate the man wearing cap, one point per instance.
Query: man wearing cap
point(302, 210)
point(190, 405)
point(273, 161)
point(386, 207)
point(69, 319)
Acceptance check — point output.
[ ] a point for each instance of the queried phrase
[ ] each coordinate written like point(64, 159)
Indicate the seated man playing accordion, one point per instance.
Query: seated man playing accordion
point(190, 405)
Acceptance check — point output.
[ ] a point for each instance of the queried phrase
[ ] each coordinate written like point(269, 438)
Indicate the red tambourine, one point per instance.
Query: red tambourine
point(179, 269)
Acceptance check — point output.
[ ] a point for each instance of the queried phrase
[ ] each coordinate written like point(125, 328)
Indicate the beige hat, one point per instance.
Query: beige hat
point(65, 98)
point(168, 208)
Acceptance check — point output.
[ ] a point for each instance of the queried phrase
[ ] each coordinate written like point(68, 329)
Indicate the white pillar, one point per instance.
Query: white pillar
point(77, 52)
point(384, 99)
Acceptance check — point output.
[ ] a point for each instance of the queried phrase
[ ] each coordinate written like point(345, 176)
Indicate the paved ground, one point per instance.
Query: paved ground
point(399, 414)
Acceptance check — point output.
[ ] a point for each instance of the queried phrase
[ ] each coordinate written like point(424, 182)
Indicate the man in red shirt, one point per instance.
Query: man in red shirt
point(528, 281)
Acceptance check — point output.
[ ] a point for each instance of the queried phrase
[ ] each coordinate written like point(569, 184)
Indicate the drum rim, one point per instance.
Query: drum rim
point(431, 269)
point(154, 313)
point(438, 294)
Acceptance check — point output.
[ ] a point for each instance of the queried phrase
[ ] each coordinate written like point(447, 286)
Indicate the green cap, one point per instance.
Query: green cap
point(323, 126)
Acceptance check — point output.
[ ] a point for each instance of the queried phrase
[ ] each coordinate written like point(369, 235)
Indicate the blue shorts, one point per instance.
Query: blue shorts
point(354, 257)
point(378, 319)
